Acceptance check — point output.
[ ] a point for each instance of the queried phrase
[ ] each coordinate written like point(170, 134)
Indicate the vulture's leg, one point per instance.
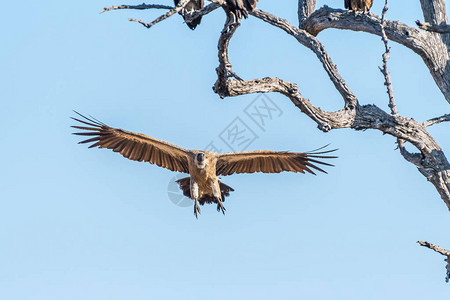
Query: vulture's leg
point(195, 196)
point(220, 206)
point(217, 195)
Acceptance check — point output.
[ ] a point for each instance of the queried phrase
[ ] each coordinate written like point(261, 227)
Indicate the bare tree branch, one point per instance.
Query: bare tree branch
point(439, 28)
point(384, 69)
point(434, 11)
point(444, 118)
point(435, 248)
point(440, 251)
point(168, 14)
point(305, 9)
point(145, 24)
point(140, 6)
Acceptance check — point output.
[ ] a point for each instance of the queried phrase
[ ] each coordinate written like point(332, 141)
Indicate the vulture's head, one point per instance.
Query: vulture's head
point(200, 160)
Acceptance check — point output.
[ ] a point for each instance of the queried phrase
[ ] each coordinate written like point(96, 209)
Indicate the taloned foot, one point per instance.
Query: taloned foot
point(196, 209)
point(220, 206)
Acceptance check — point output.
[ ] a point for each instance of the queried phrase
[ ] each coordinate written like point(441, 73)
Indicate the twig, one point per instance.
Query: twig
point(147, 25)
point(435, 248)
point(384, 70)
point(168, 14)
point(140, 6)
point(440, 251)
point(444, 118)
point(439, 28)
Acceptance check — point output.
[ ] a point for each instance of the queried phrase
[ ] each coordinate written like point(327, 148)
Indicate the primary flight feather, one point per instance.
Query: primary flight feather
point(204, 167)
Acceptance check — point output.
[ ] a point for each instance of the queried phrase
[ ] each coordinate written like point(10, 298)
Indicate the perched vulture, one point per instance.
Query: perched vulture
point(192, 5)
point(363, 5)
point(240, 8)
point(203, 185)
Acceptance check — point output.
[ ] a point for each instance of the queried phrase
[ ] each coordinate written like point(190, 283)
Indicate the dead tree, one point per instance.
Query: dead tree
point(431, 41)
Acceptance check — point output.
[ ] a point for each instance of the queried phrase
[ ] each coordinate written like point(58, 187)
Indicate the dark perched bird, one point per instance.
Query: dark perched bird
point(363, 5)
point(192, 5)
point(204, 167)
point(240, 8)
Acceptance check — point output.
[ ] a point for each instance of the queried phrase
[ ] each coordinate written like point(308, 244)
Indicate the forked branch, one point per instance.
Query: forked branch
point(168, 14)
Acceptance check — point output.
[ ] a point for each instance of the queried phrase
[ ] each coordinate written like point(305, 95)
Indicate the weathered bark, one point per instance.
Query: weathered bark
point(305, 9)
point(434, 11)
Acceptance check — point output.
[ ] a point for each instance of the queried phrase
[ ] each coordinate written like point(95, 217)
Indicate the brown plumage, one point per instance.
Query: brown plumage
point(240, 8)
point(204, 167)
point(192, 5)
point(363, 5)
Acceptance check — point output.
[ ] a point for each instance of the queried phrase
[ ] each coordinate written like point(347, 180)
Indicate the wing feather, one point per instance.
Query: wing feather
point(134, 146)
point(271, 162)
point(240, 8)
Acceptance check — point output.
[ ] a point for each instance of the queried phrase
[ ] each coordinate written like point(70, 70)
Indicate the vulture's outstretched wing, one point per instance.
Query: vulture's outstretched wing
point(270, 162)
point(134, 146)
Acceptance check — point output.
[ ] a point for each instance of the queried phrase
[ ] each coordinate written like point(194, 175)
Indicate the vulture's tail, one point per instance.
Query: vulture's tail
point(185, 186)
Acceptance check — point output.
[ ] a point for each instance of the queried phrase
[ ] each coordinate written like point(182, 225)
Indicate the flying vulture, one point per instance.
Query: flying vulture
point(204, 167)
point(363, 5)
point(192, 5)
point(240, 8)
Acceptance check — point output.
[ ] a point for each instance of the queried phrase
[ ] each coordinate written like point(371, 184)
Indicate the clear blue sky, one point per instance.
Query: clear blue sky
point(78, 223)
